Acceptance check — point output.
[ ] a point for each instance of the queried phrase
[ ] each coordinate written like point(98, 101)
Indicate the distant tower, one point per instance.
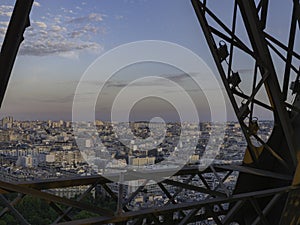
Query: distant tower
point(7, 122)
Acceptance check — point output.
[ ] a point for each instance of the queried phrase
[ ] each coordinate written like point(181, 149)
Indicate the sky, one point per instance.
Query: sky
point(67, 36)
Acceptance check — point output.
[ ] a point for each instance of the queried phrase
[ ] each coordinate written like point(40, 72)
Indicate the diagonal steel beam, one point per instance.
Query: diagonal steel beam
point(232, 212)
point(268, 207)
point(135, 193)
point(170, 197)
point(201, 10)
point(183, 206)
point(281, 45)
point(262, 217)
point(68, 210)
point(13, 210)
point(214, 215)
point(13, 38)
point(192, 187)
point(258, 172)
point(179, 190)
point(280, 55)
point(12, 203)
point(110, 192)
point(290, 48)
point(59, 211)
point(263, 8)
point(186, 219)
point(54, 198)
point(260, 47)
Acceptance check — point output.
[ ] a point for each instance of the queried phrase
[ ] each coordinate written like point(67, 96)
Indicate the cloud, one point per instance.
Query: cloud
point(245, 70)
point(57, 19)
point(40, 24)
point(96, 17)
point(70, 54)
point(4, 23)
point(177, 77)
point(57, 28)
point(93, 17)
point(121, 84)
point(2, 31)
point(53, 35)
point(119, 17)
point(76, 34)
point(135, 1)
point(56, 99)
point(3, 28)
point(6, 7)
point(85, 30)
point(6, 10)
point(57, 34)
point(63, 48)
point(36, 4)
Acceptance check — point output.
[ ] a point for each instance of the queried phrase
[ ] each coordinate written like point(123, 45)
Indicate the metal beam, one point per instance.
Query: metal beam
point(290, 48)
point(13, 210)
point(12, 203)
point(192, 187)
point(14, 36)
point(183, 206)
point(200, 11)
point(255, 171)
point(65, 213)
point(260, 47)
point(49, 197)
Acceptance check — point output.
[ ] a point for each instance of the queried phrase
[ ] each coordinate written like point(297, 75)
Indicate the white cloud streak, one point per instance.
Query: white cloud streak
point(6, 10)
point(93, 17)
point(41, 25)
point(36, 4)
point(57, 34)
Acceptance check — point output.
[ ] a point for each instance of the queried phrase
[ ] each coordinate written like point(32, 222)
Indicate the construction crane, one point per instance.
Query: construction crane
point(267, 189)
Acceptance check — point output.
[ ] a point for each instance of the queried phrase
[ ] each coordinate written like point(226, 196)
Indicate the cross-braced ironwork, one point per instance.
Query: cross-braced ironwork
point(267, 188)
point(228, 43)
point(214, 206)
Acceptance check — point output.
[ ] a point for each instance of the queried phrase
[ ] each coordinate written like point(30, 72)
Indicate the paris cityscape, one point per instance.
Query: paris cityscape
point(38, 150)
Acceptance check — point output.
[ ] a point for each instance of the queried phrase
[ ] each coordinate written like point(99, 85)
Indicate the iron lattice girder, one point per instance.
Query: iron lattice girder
point(281, 148)
point(215, 198)
point(201, 12)
point(261, 49)
point(10, 207)
point(289, 57)
point(261, 55)
point(189, 206)
point(37, 188)
point(52, 198)
point(88, 180)
point(279, 153)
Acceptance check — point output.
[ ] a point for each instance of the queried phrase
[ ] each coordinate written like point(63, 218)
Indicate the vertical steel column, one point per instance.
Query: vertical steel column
point(214, 50)
point(260, 47)
point(289, 57)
